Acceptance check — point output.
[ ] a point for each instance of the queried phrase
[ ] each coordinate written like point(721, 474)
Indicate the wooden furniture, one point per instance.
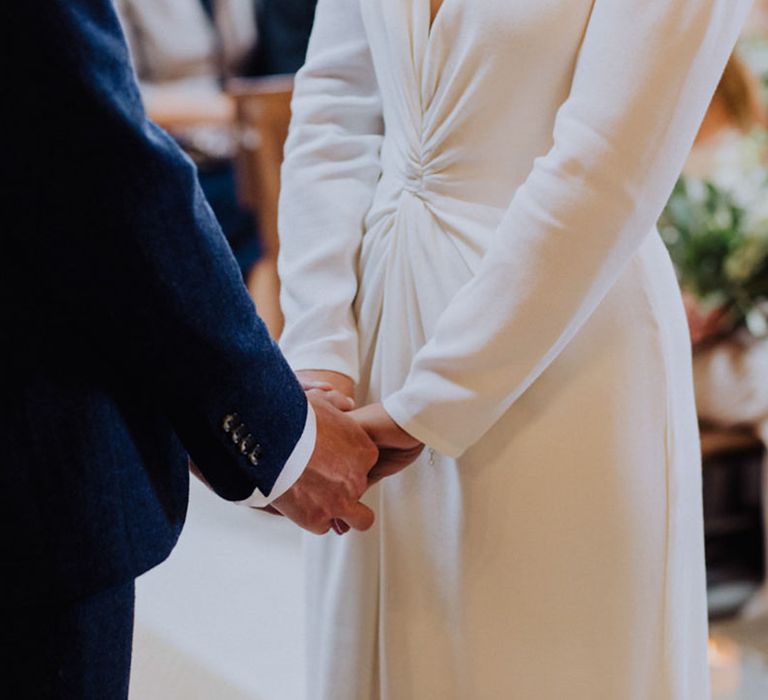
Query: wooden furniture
point(733, 514)
point(263, 113)
point(715, 441)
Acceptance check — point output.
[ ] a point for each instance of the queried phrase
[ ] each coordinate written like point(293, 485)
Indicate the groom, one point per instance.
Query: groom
point(129, 342)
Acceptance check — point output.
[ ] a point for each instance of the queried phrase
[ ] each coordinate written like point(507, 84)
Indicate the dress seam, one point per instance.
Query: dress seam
point(647, 289)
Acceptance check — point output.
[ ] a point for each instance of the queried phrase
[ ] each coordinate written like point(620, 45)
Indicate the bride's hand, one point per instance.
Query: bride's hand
point(337, 388)
point(397, 449)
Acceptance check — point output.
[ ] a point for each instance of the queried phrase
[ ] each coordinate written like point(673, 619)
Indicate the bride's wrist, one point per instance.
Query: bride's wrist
point(382, 428)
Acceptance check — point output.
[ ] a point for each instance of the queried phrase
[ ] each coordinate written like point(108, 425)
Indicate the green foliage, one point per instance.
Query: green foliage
point(720, 250)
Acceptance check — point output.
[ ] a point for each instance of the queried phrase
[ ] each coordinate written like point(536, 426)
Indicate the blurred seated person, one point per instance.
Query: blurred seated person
point(735, 113)
point(183, 50)
point(731, 368)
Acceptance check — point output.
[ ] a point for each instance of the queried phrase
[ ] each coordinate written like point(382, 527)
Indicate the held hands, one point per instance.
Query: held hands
point(336, 477)
point(346, 461)
point(397, 449)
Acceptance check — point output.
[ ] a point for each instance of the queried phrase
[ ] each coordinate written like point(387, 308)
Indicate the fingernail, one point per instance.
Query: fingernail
point(351, 402)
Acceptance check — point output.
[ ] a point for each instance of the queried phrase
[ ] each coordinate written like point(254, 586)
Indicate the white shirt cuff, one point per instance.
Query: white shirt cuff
point(294, 466)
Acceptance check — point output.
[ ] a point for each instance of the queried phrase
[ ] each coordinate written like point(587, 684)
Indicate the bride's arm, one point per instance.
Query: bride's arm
point(329, 174)
point(644, 77)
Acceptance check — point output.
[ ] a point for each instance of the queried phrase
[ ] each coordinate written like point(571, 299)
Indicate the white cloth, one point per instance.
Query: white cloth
point(174, 41)
point(467, 230)
point(294, 466)
point(731, 381)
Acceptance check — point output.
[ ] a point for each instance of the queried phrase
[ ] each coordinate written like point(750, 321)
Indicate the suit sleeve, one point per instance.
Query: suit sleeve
point(645, 74)
point(329, 175)
point(134, 251)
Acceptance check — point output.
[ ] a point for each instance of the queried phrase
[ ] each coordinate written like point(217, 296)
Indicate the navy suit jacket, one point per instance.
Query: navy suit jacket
point(128, 337)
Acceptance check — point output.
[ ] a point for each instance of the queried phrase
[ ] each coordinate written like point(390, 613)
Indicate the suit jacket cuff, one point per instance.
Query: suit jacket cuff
point(294, 466)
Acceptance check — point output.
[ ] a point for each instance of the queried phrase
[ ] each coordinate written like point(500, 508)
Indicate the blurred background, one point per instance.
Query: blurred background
point(217, 74)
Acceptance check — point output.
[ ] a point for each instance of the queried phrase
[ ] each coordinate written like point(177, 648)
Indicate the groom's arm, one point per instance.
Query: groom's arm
point(111, 210)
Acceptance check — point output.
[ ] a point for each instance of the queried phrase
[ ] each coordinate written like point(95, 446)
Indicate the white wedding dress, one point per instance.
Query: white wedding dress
point(467, 225)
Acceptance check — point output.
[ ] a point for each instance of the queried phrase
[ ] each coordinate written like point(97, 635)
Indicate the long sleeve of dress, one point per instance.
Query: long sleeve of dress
point(645, 74)
point(331, 166)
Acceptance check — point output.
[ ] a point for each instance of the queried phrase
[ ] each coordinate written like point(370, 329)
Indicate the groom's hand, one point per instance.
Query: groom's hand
point(337, 474)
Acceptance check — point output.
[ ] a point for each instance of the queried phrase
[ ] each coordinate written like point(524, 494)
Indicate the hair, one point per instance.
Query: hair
point(739, 93)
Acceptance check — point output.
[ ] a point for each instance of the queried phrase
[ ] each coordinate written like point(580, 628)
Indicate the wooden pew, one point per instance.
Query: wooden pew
point(263, 113)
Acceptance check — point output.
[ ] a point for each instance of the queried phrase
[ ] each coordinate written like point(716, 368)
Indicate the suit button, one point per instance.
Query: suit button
point(229, 422)
point(254, 455)
point(246, 444)
point(237, 434)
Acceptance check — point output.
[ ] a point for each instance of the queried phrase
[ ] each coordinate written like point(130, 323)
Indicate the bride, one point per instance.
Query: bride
point(468, 246)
